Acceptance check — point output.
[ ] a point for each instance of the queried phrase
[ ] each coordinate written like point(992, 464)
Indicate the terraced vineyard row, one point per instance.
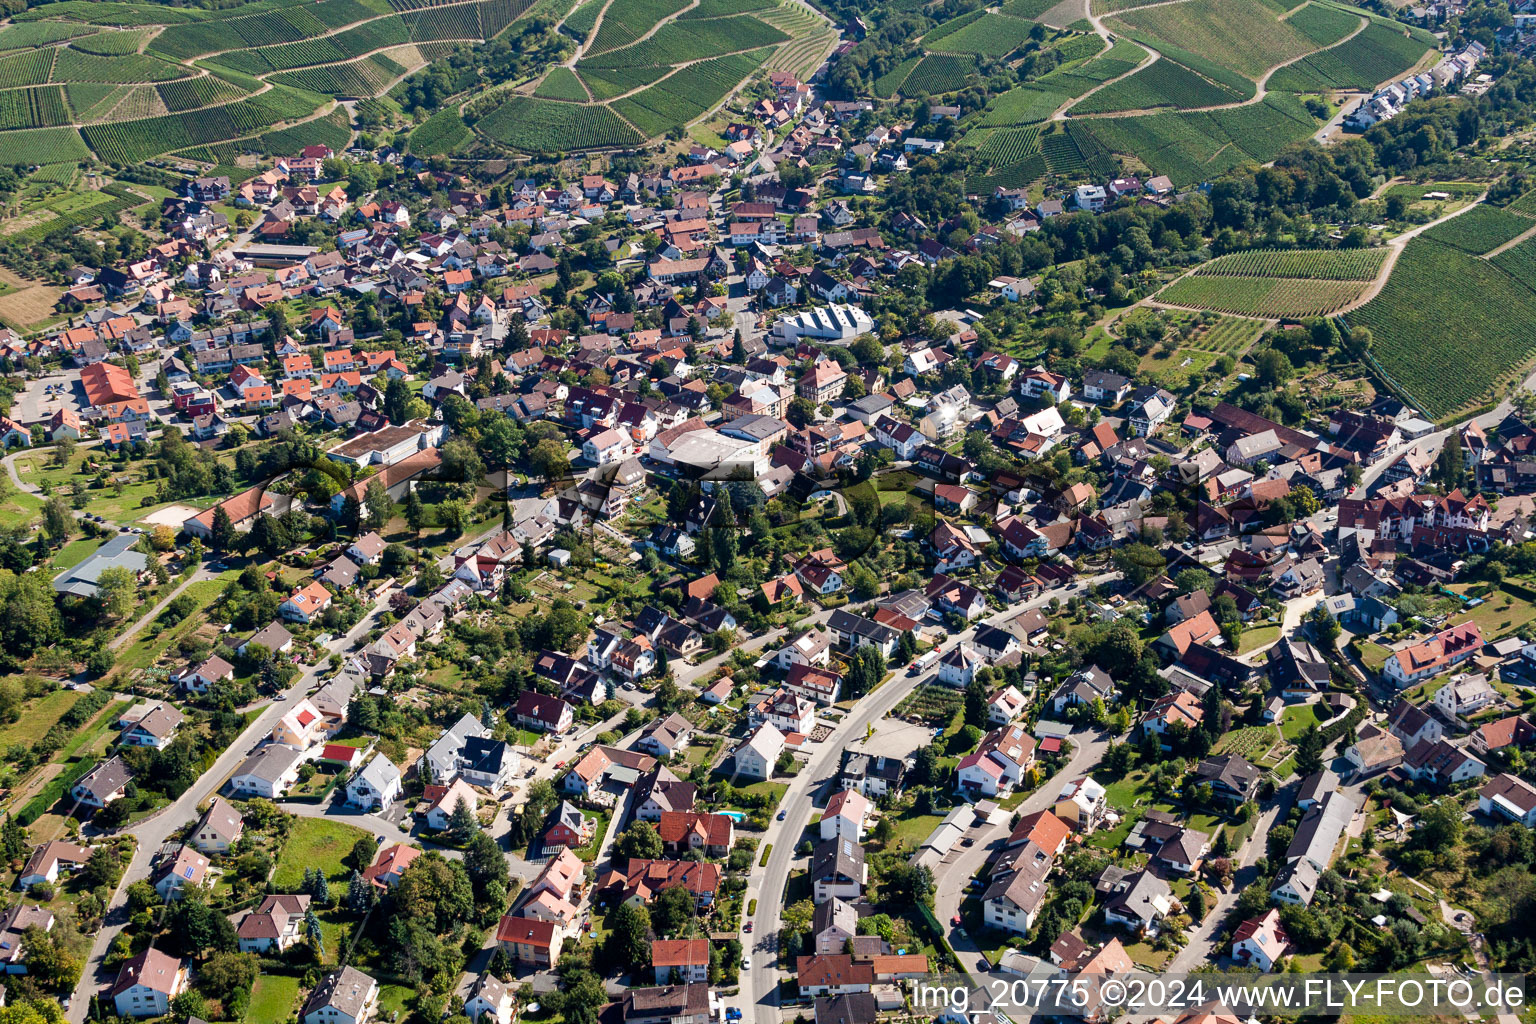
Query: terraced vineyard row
point(1163, 83)
point(939, 73)
point(688, 94)
point(1317, 264)
point(127, 142)
point(32, 68)
point(678, 43)
point(628, 20)
point(192, 93)
point(366, 77)
point(1261, 296)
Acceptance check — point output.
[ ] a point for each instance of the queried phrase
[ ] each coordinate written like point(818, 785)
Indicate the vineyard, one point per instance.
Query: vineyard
point(1381, 52)
point(45, 146)
point(366, 77)
point(562, 84)
point(1196, 146)
point(939, 73)
point(549, 126)
point(1318, 264)
point(580, 23)
point(39, 107)
point(992, 35)
point(111, 44)
point(192, 93)
point(1519, 261)
point(443, 132)
point(676, 43)
point(1163, 83)
point(1324, 26)
point(1243, 35)
point(1480, 229)
point(1261, 296)
point(1448, 325)
point(75, 66)
point(628, 20)
point(32, 68)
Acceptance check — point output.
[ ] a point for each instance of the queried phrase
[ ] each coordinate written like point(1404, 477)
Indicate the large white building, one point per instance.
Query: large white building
point(841, 322)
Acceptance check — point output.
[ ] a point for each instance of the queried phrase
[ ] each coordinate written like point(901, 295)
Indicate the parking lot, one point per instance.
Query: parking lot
point(47, 395)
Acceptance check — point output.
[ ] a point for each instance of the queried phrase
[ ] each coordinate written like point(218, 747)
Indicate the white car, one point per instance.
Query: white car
point(746, 963)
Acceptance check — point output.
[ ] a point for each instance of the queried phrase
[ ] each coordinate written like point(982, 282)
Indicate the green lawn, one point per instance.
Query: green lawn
point(18, 509)
point(37, 717)
point(272, 999)
point(394, 999)
point(1502, 613)
point(75, 552)
point(1374, 656)
point(1295, 721)
point(1257, 637)
point(908, 833)
point(315, 842)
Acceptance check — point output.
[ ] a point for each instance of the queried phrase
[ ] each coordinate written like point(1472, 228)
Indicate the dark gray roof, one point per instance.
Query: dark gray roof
point(115, 553)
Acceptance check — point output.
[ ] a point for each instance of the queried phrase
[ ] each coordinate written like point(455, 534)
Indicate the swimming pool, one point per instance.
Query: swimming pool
point(735, 816)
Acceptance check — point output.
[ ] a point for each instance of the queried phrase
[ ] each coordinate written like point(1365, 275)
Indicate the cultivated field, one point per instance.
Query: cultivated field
point(1449, 325)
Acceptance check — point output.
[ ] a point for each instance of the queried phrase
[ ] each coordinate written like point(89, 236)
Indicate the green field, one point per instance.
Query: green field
point(1448, 325)
point(272, 999)
point(992, 35)
point(37, 717)
point(548, 126)
point(315, 843)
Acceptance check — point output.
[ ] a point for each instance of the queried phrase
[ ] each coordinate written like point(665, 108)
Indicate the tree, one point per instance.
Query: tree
point(1273, 366)
point(116, 589)
point(976, 703)
point(223, 530)
point(13, 838)
point(58, 520)
point(673, 910)
point(628, 946)
point(462, 824)
point(415, 512)
point(638, 841)
point(378, 503)
point(1309, 751)
point(548, 459)
point(360, 894)
point(397, 401)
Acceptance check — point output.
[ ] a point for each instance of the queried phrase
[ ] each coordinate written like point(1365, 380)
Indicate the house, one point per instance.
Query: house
point(445, 803)
point(1441, 762)
point(156, 727)
point(1177, 708)
point(1082, 688)
point(345, 996)
point(490, 1001)
point(188, 868)
point(664, 737)
point(682, 831)
point(1139, 902)
point(1296, 884)
point(268, 772)
point(1230, 777)
point(846, 813)
point(103, 784)
point(1412, 724)
point(276, 924)
point(300, 726)
point(1318, 833)
point(1508, 796)
point(218, 828)
point(1081, 803)
point(833, 924)
point(114, 553)
point(669, 1004)
point(488, 763)
point(306, 603)
point(1464, 696)
point(15, 920)
point(50, 861)
point(1260, 941)
point(874, 775)
point(959, 665)
point(1374, 750)
point(997, 764)
point(680, 961)
point(146, 983)
point(389, 864)
point(375, 787)
point(1513, 731)
point(1013, 897)
point(838, 870)
point(1431, 657)
point(756, 755)
point(644, 879)
point(543, 713)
